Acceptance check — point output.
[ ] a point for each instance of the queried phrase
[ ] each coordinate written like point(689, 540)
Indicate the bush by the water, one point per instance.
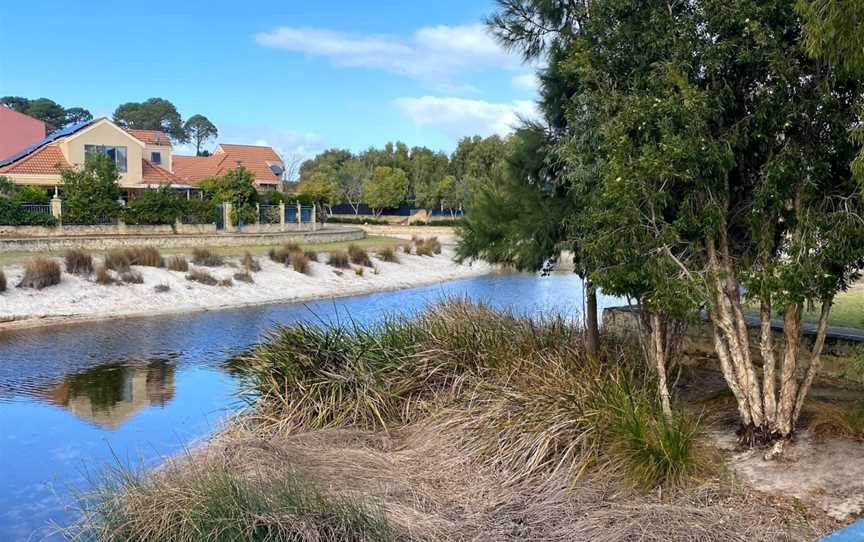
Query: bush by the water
point(388, 255)
point(202, 501)
point(339, 260)
point(510, 391)
point(178, 263)
point(78, 262)
point(40, 273)
point(359, 256)
point(202, 276)
point(203, 256)
point(103, 277)
point(427, 247)
point(250, 264)
point(117, 260)
point(244, 276)
point(311, 255)
point(132, 277)
point(300, 263)
point(337, 219)
point(146, 256)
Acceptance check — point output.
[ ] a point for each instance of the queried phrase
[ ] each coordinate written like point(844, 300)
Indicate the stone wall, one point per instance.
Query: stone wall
point(842, 356)
point(102, 242)
point(408, 231)
point(16, 232)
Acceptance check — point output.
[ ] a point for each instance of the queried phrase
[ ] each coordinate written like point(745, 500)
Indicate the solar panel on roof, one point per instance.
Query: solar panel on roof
point(71, 129)
point(276, 169)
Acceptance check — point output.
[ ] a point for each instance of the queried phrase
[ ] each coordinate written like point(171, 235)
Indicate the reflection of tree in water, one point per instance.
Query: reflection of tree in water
point(109, 394)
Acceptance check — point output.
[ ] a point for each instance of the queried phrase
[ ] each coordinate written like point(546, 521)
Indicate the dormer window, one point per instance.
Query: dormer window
point(118, 154)
point(156, 157)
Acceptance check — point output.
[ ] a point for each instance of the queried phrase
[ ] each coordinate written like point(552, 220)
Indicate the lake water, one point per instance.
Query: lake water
point(76, 398)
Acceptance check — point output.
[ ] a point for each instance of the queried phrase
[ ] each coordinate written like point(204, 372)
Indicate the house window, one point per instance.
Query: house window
point(156, 157)
point(118, 154)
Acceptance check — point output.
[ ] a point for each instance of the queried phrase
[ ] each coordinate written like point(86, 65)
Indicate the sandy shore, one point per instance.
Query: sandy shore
point(78, 299)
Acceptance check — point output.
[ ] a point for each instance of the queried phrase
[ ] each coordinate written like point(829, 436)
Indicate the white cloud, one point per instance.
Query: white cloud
point(432, 54)
point(526, 81)
point(459, 117)
point(288, 143)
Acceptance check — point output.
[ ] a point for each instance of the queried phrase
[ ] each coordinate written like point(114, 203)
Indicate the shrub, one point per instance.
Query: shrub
point(203, 256)
point(250, 264)
point(117, 260)
point(203, 276)
point(339, 260)
point(178, 263)
point(359, 271)
point(208, 500)
point(291, 246)
point(427, 247)
point(2, 281)
point(102, 275)
point(13, 214)
point(146, 256)
point(226, 283)
point(132, 277)
point(406, 247)
point(300, 263)
point(245, 276)
point(91, 192)
point(40, 273)
point(162, 288)
point(359, 256)
point(311, 255)
point(78, 262)
point(388, 255)
point(154, 206)
point(280, 255)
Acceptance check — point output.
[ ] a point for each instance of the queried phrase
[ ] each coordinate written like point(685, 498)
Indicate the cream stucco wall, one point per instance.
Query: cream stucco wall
point(165, 151)
point(105, 133)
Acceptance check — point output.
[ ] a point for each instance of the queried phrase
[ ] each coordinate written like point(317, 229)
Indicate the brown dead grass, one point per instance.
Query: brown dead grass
point(2, 281)
point(78, 262)
point(117, 260)
point(178, 263)
point(102, 276)
point(40, 273)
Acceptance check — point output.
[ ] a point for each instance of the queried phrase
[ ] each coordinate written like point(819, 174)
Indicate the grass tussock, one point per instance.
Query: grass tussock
point(300, 263)
point(427, 247)
point(212, 502)
point(359, 271)
point(2, 281)
point(339, 260)
point(162, 288)
point(244, 276)
point(203, 256)
point(250, 264)
point(178, 263)
point(311, 255)
point(827, 419)
point(145, 256)
point(388, 255)
point(202, 276)
point(102, 275)
point(226, 283)
point(359, 256)
point(118, 260)
point(132, 277)
point(40, 273)
point(78, 262)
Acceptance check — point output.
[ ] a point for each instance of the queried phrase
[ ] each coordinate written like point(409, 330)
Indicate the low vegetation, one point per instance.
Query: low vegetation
point(178, 263)
point(203, 256)
point(117, 260)
point(339, 260)
point(311, 255)
point(132, 277)
point(102, 275)
point(244, 276)
point(145, 256)
point(359, 256)
point(78, 262)
point(427, 247)
point(250, 264)
point(40, 273)
point(300, 263)
point(388, 255)
point(226, 283)
point(826, 419)
point(202, 276)
point(162, 288)
point(2, 281)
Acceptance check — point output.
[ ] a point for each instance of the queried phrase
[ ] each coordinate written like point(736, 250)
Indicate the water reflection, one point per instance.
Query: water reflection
point(110, 394)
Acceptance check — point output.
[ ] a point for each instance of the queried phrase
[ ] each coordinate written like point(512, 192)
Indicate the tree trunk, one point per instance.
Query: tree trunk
point(815, 358)
point(592, 328)
point(788, 377)
point(769, 362)
point(658, 353)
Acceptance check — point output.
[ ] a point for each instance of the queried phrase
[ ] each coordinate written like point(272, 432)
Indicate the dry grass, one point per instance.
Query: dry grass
point(118, 260)
point(280, 255)
point(40, 273)
point(203, 256)
point(178, 263)
point(300, 263)
point(145, 256)
point(202, 276)
point(827, 419)
point(102, 275)
point(162, 288)
point(245, 276)
point(78, 262)
point(359, 271)
point(132, 277)
point(427, 247)
point(388, 255)
point(2, 281)
point(339, 260)
point(226, 283)
point(311, 255)
point(359, 256)
point(250, 264)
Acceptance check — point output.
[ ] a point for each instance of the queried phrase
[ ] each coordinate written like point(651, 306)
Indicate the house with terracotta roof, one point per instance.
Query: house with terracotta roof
point(143, 157)
point(18, 131)
point(263, 162)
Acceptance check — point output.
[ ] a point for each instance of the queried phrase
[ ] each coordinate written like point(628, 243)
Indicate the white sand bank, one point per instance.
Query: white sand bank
point(79, 298)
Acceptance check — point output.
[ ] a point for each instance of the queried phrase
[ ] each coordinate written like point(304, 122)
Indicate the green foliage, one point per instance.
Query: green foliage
point(152, 114)
point(199, 129)
point(200, 211)
point(13, 214)
point(48, 111)
point(387, 187)
point(236, 187)
point(91, 193)
point(31, 194)
point(153, 206)
point(319, 188)
point(7, 187)
point(337, 219)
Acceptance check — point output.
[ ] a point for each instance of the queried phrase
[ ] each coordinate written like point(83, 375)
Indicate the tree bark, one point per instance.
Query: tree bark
point(815, 358)
point(769, 362)
point(592, 328)
point(660, 362)
point(788, 378)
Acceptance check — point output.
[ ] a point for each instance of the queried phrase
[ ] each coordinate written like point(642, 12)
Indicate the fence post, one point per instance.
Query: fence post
point(314, 222)
point(258, 213)
point(299, 216)
point(57, 209)
point(226, 210)
point(282, 216)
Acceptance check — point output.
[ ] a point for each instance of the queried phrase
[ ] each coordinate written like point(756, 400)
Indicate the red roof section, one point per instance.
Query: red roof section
point(44, 160)
point(255, 158)
point(153, 174)
point(150, 137)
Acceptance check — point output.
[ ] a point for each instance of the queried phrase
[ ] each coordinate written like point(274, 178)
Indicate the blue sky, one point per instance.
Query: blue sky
point(298, 75)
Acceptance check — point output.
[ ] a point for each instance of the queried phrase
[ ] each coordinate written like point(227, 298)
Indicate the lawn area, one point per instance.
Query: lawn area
point(372, 242)
point(848, 309)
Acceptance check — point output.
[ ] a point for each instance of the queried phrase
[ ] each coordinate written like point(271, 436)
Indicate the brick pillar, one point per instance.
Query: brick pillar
point(314, 221)
point(282, 216)
point(226, 209)
point(299, 215)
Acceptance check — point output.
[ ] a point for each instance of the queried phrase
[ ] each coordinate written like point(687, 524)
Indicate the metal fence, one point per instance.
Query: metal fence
point(305, 215)
point(36, 208)
point(70, 220)
point(268, 214)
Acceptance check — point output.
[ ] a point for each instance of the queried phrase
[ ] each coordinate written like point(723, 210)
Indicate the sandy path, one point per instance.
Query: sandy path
point(80, 299)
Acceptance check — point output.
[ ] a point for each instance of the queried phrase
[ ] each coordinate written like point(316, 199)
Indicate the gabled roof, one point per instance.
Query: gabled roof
point(153, 174)
point(150, 137)
point(195, 168)
point(44, 160)
point(257, 159)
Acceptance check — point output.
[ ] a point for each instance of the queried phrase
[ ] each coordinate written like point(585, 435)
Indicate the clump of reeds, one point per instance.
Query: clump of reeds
point(117, 259)
point(244, 276)
point(132, 277)
point(339, 260)
point(359, 256)
point(250, 264)
point(78, 262)
point(208, 500)
point(284, 253)
point(202, 276)
point(40, 273)
point(388, 255)
point(406, 247)
point(102, 275)
point(203, 256)
point(2, 281)
point(311, 255)
point(300, 263)
point(145, 256)
point(427, 247)
point(162, 288)
point(178, 263)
